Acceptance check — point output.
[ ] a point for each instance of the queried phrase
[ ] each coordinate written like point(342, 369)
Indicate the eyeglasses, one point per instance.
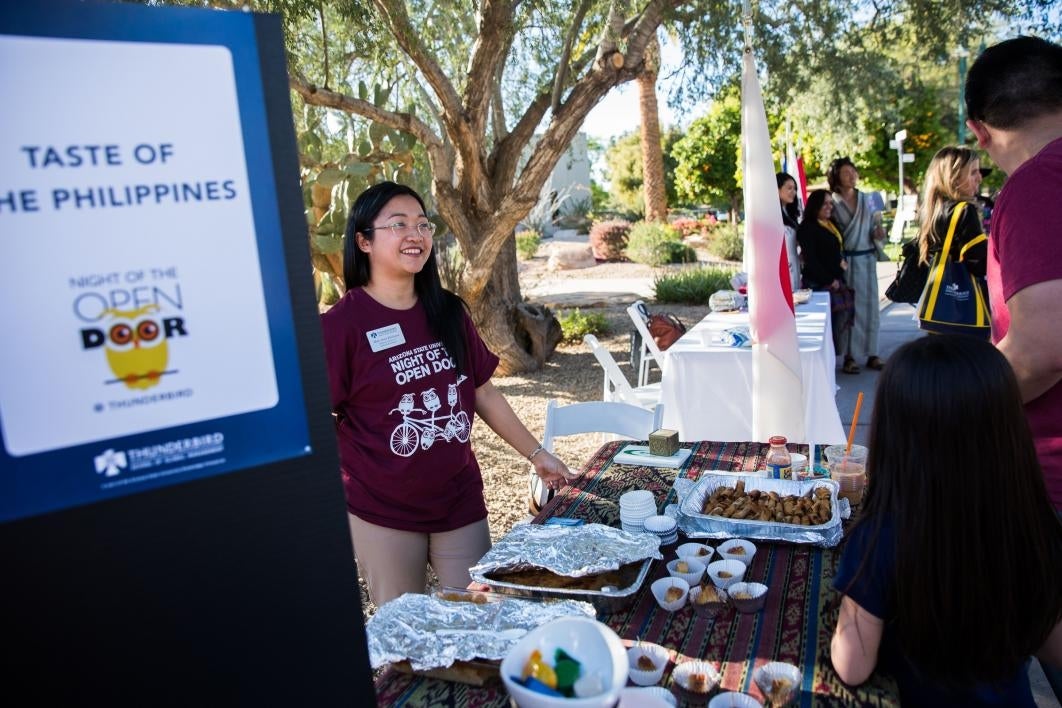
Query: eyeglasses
point(425, 228)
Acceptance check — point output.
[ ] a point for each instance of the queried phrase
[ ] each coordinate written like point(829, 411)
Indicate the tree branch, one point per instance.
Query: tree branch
point(324, 41)
point(317, 96)
point(569, 40)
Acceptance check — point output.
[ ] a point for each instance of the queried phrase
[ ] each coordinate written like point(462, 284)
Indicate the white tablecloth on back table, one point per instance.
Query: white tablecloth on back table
point(707, 388)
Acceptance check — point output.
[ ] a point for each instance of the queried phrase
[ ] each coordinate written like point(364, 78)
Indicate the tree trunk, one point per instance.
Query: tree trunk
point(653, 187)
point(522, 335)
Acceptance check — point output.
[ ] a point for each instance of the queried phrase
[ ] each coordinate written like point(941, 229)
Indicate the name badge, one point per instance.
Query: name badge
point(385, 337)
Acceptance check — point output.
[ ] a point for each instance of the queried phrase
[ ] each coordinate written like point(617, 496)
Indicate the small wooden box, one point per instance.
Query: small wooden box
point(663, 442)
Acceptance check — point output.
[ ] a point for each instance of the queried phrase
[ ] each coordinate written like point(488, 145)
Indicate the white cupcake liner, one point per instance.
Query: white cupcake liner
point(657, 653)
point(682, 674)
point(700, 552)
point(754, 603)
point(732, 699)
point(660, 524)
point(660, 587)
point(711, 607)
point(655, 695)
point(765, 676)
point(735, 569)
point(725, 550)
point(692, 576)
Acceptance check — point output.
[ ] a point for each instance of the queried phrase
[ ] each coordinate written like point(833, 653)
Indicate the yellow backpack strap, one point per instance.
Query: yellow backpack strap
point(938, 274)
point(971, 243)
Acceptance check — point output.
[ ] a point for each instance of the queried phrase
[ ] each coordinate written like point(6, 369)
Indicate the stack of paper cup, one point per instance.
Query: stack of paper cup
point(635, 508)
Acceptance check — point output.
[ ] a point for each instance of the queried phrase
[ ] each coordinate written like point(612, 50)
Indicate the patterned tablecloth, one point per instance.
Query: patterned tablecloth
point(794, 626)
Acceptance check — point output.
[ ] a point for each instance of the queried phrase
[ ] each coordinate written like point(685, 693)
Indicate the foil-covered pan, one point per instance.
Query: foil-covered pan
point(431, 632)
point(574, 552)
point(696, 524)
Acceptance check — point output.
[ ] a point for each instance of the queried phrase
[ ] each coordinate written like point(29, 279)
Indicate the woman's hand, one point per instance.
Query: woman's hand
point(552, 471)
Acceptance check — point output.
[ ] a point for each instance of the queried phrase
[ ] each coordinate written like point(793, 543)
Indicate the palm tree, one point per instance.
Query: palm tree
point(653, 186)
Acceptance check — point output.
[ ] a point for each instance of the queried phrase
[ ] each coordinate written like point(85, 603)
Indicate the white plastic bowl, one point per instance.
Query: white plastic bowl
point(592, 643)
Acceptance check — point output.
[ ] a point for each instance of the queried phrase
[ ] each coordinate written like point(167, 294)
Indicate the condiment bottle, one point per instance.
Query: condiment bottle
point(779, 464)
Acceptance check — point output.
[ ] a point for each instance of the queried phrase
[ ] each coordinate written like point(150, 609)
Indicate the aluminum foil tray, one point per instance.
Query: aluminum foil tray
point(432, 632)
point(697, 525)
point(575, 551)
point(605, 601)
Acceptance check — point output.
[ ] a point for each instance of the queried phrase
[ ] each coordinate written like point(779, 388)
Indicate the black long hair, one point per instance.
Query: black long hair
point(833, 174)
point(444, 309)
point(977, 585)
point(815, 201)
point(791, 211)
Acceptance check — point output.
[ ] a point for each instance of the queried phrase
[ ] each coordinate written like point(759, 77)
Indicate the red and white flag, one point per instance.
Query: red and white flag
point(777, 385)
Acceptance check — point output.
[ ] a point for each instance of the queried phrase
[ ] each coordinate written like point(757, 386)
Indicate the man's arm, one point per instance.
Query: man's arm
point(1033, 344)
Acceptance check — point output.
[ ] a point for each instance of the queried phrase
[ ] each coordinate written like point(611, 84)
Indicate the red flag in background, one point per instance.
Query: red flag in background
point(777, 386)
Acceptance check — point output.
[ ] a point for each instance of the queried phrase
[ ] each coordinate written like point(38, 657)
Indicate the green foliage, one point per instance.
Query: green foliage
point(657, 244)
point(727, 241)
point(527, 243)
point(608, 239)
point(692, 286)
point(624, 159)
point(576, 324)
point(707, 156)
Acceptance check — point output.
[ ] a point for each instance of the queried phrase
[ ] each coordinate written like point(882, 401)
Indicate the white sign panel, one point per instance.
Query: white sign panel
point(162, 320)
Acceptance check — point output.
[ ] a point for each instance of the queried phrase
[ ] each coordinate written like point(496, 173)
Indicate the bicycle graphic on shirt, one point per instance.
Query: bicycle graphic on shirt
point(412, 432)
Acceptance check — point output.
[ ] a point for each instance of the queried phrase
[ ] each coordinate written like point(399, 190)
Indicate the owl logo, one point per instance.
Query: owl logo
point(136, 347)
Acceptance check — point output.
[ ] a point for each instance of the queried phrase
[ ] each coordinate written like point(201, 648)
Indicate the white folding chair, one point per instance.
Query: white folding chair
point(616, 386)
point(648, 352)
point(621, 419)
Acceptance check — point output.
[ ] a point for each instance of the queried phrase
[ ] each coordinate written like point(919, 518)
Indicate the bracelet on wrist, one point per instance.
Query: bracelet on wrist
point(535, 452)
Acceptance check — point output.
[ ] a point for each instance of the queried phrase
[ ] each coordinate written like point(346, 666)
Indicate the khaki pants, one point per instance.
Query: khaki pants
point(394, 562)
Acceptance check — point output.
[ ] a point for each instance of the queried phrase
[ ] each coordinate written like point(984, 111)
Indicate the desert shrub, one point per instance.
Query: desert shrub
point(608, 239)
point(693, 286)
point(727, 242)
point(527, 244)
point(686, 226)
point(575, 324)
point(657, 244)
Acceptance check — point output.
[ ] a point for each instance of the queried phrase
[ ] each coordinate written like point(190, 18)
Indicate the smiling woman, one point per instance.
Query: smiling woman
point(408, 370)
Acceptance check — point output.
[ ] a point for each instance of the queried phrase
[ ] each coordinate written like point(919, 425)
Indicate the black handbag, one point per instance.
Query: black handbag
point(910, 278)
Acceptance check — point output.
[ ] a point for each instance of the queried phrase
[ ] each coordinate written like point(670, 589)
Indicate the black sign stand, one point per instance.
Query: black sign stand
point(238, 589)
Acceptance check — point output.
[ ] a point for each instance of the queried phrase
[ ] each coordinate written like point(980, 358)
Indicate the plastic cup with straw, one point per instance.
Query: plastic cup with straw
point(850, 470)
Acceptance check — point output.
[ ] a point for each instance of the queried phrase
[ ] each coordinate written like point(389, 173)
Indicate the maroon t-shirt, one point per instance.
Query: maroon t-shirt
point(1025, 249)
point(405, 416)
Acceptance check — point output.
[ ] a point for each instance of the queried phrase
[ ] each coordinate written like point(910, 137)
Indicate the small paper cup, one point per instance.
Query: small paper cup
point(748, 597)
point(660, 525)
point(647, 697)
point(780, 682)
point(732, 699)
point(695, 681)
point(714, 600)
point(660, 588)
point(725, 573)
point(693, 574)
point(700, 552)
point(737, 549)
point(656, 653)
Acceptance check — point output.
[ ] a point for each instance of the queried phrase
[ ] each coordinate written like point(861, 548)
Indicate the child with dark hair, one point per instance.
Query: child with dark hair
point(407, 371)
point(952, 575)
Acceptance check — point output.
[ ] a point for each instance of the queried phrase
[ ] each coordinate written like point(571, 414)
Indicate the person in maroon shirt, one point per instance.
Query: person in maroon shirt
point(408, 371)
point(1014, 103)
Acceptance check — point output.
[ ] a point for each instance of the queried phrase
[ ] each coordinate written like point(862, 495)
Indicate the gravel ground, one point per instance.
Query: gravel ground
point(570, 375)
